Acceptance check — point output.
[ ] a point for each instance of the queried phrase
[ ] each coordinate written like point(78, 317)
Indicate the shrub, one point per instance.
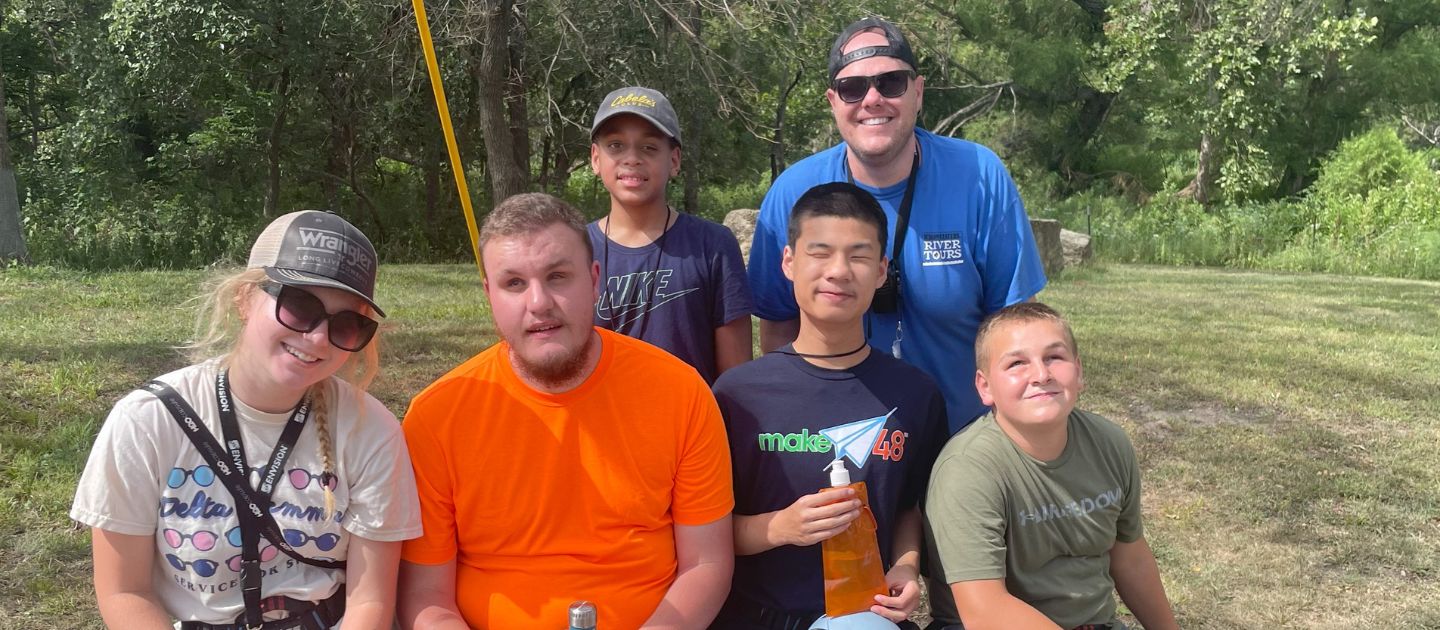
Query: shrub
point(1370, 185)
point(717, 201)
point(1375, 210)
point(1398, 254)
point(1082, 212)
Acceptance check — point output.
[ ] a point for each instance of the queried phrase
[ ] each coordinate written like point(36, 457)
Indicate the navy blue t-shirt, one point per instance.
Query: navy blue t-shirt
point(675, 292)
point(777, 410)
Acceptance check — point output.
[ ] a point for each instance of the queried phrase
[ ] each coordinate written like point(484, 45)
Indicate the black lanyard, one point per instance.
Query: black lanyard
point(902, 225)
point(252, 504)
point(902, 215)
point(230, 429)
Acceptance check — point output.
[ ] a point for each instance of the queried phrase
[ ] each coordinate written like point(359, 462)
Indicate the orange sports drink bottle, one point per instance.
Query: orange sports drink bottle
point(854, 571)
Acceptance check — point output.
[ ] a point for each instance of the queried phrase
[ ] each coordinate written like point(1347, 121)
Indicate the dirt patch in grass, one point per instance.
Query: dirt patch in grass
point(1163, 424)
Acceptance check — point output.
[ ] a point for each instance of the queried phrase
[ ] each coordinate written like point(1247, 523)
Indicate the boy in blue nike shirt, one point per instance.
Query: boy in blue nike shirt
point(667, 278)
point(779, 409)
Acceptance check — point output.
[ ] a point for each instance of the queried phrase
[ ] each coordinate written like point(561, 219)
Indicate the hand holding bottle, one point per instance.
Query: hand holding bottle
point(904, 594)
point(814, 517)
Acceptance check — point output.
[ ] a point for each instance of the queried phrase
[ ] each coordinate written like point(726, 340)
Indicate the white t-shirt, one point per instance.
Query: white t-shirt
point(144, 477)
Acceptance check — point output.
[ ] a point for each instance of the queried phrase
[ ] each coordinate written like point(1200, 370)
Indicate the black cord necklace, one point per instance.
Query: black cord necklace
point(794, 353)
point(646, 296)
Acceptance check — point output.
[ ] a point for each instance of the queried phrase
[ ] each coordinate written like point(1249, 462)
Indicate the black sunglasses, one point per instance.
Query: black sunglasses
point(302, 312)
point(890, 85)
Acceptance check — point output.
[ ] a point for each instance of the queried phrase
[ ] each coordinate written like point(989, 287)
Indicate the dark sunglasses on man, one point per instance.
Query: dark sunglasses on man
point(300, 311)
point(890, 84)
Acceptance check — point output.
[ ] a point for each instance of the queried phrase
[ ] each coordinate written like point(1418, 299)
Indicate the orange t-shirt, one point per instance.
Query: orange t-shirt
point(545, 499)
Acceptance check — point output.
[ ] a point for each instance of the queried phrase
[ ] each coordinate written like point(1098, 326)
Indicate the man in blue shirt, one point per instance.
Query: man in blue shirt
point(967, 250)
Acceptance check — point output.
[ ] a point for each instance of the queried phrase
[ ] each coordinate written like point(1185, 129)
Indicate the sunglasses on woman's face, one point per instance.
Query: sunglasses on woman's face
point(890, 84)
point(302, 312)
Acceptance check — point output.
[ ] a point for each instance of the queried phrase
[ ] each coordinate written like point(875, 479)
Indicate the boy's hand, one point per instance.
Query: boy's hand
point(814, 517)
point(904, 594)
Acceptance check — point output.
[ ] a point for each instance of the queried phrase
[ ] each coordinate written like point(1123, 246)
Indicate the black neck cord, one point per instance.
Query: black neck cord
point(648, 295)
point(792, 352)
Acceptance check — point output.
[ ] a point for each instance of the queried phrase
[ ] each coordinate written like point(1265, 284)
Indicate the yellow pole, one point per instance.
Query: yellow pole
point(444, 110)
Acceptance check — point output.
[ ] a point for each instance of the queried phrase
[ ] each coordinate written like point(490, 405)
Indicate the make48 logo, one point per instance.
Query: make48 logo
point(856, 441)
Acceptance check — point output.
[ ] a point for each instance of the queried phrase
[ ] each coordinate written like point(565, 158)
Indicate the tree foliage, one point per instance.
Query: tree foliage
point(164, 132)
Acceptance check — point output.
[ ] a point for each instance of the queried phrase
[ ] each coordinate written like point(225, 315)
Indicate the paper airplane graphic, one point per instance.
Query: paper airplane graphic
point(856, 439)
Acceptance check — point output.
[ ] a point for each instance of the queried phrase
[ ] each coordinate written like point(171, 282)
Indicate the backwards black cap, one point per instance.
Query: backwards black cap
point(896, 45)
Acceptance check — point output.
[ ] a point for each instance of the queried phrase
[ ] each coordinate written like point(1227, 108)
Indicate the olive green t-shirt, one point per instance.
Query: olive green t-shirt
point(1046, 528)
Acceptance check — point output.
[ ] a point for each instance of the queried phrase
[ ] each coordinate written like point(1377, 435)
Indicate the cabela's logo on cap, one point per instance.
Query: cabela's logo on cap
point(326, 241)
point(633, 99)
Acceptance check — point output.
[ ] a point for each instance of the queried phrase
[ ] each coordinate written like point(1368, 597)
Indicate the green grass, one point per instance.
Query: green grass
point(1286, 424)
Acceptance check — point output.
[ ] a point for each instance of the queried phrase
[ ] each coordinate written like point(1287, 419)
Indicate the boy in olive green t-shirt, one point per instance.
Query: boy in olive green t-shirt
point(1033, 512)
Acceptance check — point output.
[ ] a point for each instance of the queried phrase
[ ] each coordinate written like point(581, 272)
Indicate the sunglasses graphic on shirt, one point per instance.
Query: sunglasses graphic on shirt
point(293, 537)
point(201, 540)
point(204, 477)
point(202, 567)
point(267, 553)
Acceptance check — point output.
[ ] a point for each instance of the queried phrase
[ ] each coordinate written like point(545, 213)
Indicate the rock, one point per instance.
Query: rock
point(1047, 240)
point(742, 224)
point(1076, 247)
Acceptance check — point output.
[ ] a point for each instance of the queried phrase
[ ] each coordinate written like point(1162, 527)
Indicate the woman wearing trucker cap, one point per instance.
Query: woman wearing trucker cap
point(261, 486)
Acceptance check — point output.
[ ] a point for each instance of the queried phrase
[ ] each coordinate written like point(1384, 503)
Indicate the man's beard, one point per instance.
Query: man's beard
point(556, 371)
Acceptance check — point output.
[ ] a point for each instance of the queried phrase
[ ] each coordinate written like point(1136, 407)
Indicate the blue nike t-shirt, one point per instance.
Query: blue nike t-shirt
point(968, 253)
point(778, 411)
point(675, 292)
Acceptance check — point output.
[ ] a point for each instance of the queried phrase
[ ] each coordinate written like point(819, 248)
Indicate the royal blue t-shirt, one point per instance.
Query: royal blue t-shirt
point(968, 253)
point(675, 292)
point(776, 409)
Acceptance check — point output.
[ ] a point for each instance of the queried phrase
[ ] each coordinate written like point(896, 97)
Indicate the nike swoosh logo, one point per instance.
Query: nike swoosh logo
point(623, 317)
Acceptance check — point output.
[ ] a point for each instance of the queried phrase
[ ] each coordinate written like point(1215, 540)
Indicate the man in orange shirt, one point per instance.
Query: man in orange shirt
point(566, 462)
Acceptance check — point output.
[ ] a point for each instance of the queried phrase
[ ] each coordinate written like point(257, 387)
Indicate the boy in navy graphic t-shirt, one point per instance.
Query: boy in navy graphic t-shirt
point(782, 409)
point(674, 280)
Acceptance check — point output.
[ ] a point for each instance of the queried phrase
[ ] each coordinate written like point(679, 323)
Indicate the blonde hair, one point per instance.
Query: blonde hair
point(1022, 312)
point(218, 323)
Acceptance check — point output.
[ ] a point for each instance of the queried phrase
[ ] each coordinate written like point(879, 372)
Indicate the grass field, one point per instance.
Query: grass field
point(1287, 424)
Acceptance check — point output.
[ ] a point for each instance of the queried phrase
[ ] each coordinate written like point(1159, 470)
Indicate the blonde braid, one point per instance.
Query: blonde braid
point(320, 403)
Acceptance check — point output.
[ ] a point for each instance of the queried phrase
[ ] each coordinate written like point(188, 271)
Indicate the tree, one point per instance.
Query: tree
point(1243, 66)
point(500, 88)
point(12, 232)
